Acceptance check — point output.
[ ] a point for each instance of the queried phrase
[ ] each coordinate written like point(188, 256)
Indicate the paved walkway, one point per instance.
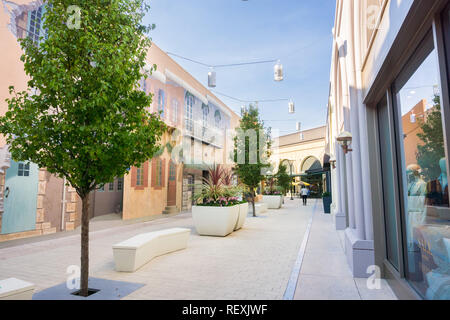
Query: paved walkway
point(325, 274)
point(253, 263)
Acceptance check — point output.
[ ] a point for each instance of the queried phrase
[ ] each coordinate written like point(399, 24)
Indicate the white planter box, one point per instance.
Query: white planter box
point(15, 289)
point(273, 202)
point(243, 211)
point(215, 221)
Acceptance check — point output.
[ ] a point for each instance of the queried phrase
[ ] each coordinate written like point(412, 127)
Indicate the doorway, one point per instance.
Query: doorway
point(172, 185)
point(20, 197)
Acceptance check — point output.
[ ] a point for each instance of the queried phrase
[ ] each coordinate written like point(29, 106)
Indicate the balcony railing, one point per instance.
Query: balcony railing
point(198, 130)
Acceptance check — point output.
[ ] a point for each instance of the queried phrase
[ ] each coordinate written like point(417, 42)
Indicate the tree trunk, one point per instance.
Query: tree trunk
point(84, 281)
point(253, 203)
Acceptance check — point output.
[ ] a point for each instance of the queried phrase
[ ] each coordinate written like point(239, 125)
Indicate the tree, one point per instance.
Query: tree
point(86, 119)
point(283, 178)
point(432, 151)
point(252, 151)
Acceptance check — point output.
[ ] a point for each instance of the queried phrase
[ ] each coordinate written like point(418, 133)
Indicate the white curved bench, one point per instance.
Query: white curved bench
point(15, 289)
point(133, 253)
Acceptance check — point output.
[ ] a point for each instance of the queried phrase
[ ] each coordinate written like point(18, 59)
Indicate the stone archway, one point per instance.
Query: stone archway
point(311, 163)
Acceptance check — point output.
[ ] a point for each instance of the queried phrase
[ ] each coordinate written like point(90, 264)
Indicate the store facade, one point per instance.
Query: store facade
point(390, 90)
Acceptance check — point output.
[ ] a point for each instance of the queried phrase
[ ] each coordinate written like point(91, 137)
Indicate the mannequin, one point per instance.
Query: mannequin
point(416, 201)
point(443, 177)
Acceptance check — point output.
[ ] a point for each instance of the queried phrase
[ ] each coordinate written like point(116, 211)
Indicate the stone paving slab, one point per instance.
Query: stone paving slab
point(252, 263)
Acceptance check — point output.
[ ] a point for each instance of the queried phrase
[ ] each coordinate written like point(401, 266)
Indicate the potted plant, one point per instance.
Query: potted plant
point(273, 196)
point(232, 192)
point(284, 180)
point(326, 198)
point(217, 208)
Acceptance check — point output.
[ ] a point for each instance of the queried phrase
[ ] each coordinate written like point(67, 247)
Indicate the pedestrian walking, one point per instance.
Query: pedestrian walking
point(304, 193)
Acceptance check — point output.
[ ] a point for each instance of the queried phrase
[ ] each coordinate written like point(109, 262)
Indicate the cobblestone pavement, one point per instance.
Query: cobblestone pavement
point(253, 263)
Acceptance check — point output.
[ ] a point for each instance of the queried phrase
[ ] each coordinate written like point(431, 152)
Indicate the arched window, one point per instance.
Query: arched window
point(217, 118)
point(205, 113)
point(189, 104)
point(161, 102)
point(175, 111)
point(35, 24)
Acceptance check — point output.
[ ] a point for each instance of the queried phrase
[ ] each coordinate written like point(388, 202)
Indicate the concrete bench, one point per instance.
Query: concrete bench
point(260, 207)
point(15, 289)
point(133, 253)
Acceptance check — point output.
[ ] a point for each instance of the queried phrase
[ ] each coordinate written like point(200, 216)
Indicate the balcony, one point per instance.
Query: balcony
point(207, 134)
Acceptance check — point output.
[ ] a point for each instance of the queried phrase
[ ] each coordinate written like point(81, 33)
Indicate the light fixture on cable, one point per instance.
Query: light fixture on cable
point(291, 106)
point(212, 78)
point(278, 71)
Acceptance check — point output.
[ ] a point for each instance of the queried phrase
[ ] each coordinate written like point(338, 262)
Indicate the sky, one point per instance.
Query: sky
point(297, 32)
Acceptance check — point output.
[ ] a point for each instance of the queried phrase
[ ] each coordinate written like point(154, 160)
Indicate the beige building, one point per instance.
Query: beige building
point(305, 150)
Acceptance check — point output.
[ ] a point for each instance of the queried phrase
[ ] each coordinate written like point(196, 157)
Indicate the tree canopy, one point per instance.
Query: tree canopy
point(252, 149)
point(432, 150)
point(84, 117)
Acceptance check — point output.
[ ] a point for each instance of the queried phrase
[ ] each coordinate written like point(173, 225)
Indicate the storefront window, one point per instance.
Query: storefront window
point(426, 213)
point(389, 196)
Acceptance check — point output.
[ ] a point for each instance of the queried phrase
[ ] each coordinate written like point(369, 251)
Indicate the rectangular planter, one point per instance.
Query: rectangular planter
point(215, 221)
point(327, 204)
point(243, 211)
point(273, 202)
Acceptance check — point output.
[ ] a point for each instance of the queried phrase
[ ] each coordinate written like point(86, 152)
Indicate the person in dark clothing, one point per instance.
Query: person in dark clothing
point(304, 193)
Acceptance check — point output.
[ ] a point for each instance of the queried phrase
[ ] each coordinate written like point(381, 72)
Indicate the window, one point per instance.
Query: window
point(120, 184)
point(111, 186)
point(188, 111)
point(24, 170)
point(161, 102)
point(205, 113)
point(158, 177)
point(389, 195)
point(140, 177)
point(102, 188)
point(35, 22)
point(175, 111)
point(217, 118)
point(172, 171)
point(143, 84)
point(423, 164)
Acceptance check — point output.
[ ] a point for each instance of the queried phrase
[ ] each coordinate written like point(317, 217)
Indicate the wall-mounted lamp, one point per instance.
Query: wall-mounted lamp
point(345, 140)
point(333, 163)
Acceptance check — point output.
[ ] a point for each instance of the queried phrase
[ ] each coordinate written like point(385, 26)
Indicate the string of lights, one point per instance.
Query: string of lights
point(250, 101)
point(221, 65)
